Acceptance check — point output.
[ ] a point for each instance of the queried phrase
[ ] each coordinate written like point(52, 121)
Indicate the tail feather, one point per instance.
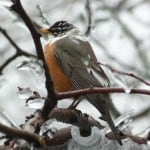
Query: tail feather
point(113, 128)
point(101, 102)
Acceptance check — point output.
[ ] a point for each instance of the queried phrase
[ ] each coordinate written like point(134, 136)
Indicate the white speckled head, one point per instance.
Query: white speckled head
point(62, 29)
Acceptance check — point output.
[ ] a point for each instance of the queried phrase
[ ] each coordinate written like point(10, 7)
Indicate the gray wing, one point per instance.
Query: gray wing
point(78, 62)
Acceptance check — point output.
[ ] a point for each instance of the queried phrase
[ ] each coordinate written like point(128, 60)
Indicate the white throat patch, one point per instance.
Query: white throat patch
point(72, 34)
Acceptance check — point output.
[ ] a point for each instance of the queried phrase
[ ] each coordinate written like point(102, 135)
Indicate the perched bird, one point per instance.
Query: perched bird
point(73, 65)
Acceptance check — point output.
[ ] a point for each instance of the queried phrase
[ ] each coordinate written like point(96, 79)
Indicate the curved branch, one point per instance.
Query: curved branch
point(9, 60)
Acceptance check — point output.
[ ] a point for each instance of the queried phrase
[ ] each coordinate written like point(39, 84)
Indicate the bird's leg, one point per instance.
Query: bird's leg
point(75, 102)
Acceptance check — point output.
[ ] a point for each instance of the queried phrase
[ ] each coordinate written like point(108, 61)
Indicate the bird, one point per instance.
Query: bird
point(73, 65)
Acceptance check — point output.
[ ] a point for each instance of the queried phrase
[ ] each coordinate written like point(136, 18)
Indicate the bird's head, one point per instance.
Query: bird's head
point(58, 29)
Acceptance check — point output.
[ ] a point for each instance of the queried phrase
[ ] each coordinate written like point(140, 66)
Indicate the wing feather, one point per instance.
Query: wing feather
point(77, 60)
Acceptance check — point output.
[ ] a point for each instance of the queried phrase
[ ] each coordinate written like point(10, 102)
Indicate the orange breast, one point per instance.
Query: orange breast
point(60, 80)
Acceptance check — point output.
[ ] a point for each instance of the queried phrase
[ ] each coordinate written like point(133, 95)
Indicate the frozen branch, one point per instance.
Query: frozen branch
point(75, 117)
point(95, 90)
point(50, 102)
point(125, 73)
point(18, 133)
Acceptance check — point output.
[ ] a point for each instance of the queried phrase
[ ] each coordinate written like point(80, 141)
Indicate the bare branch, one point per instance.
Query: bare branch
point(19, 51)
point(7, 62)
point(131, 7)
point(143, 113)
point(75, 117)
point(14, 132)
point(50, 102)
point(125, 73)
point(95, 90)
point(89, 17)
point(136, 139)
point(42, 16)
point(134, 40)
point(106, 51)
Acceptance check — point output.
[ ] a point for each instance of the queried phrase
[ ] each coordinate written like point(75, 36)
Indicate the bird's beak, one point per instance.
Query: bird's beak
point(44, 31)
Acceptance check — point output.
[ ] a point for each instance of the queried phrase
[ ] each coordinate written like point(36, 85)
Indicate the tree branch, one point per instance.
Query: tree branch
point(50, 102)
point(74, 116)
point(95, 90)
point(125, 73)
point(19, 51)
point(89, 17)
point(9, 60)
point(42, 15)
point(14, 132)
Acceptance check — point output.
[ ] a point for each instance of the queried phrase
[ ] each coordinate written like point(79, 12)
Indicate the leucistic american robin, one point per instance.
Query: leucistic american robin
point(73, 65)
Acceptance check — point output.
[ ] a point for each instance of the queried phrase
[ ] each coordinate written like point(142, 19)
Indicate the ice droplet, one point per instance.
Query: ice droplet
point(34, 65)
point(37, 103)
point(124, 118)
point(121, 81)
point(127, 90)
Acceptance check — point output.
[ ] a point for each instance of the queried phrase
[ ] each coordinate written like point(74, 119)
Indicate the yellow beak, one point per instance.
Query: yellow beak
point(44, 31)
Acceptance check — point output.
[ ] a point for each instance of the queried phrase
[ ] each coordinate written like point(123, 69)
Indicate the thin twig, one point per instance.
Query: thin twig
point(42, 16)
point(7, 62)
point(130, 35)
point(131, 7)
point(141, 114)
point(134, 40)
point(19, 51)
point(125, 73)
point(89, 17)
point(120, 5)
point(106, 51)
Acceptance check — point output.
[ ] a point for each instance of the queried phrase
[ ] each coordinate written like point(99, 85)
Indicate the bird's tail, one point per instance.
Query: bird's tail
point(110, 122)
point(101, 102)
